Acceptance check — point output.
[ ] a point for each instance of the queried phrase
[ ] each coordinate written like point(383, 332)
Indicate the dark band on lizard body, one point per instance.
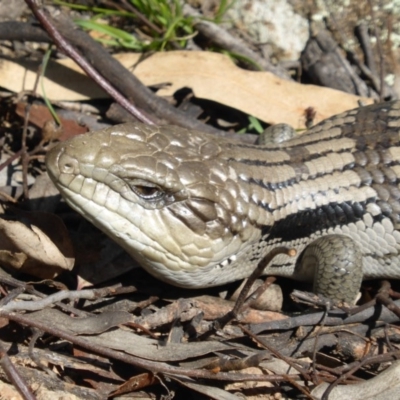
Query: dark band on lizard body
point(196, 210)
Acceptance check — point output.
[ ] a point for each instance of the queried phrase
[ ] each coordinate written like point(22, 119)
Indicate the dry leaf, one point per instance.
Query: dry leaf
point(215, 77)
point(136, 383)
point(40, 116)
point(61, 82)
point(37, 244)
point(9, 392)
point(211, 76)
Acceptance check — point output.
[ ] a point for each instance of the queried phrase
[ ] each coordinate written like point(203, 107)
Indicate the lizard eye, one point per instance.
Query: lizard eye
point(147, 190)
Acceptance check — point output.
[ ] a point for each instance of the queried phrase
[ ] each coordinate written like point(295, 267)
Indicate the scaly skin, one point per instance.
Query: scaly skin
point(197, 211)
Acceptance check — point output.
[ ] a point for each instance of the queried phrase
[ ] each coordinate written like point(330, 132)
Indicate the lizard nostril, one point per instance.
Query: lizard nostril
point(69, 165)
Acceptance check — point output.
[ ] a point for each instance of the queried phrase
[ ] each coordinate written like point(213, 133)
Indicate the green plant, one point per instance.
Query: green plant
point(117, 37)
point(223, 7)
point(98, 10)
point(162, 23)
point(254, 125)
point(167, 15)
point(45, 62)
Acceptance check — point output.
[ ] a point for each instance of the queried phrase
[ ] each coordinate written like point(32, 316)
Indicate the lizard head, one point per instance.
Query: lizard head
point(164, 194)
